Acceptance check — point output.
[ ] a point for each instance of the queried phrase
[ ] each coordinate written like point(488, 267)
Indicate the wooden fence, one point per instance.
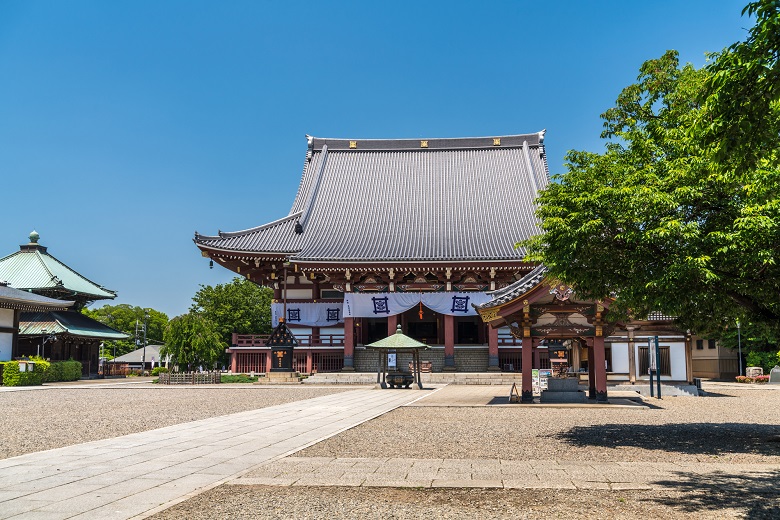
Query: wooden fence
point(190, 378)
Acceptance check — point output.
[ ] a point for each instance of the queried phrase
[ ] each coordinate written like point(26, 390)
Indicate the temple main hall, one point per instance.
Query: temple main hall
point(421, 233)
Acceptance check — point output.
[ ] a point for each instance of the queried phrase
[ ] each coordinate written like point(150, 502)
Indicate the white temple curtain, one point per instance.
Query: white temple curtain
point(378, 305)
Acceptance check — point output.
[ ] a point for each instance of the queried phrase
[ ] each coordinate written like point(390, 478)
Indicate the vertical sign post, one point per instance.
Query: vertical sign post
point(651, 362)
point(657, 366)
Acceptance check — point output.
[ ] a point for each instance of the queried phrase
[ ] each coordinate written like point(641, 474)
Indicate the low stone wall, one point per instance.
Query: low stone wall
point(470, 359)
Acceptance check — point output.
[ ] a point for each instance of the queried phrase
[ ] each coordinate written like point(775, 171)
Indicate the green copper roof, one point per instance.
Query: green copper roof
point(67, 322)
point(397, 341)
point(35, 269)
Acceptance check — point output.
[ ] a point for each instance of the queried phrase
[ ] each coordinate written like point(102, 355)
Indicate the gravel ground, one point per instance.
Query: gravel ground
point(734, 426)
point(260, 502)
point(80, 414)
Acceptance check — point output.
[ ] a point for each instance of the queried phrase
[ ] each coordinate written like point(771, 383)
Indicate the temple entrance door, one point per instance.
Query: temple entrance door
point(468, 330)
point(374, 329)
point(426, 329)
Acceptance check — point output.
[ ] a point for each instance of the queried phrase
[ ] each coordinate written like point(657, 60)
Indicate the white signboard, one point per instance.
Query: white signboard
point(651, 346)
point(391, 360)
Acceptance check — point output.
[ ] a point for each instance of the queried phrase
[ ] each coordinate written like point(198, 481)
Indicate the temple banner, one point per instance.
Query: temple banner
point(309, 314)
point(377, 305)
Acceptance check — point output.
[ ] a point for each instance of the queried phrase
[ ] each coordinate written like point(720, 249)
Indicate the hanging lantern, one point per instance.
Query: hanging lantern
point(421, 311)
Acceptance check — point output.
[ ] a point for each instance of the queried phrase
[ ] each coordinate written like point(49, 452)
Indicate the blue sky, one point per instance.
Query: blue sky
point(125, 126)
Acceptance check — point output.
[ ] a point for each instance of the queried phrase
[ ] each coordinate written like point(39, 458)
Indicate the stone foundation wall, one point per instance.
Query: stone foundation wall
point(466, 359)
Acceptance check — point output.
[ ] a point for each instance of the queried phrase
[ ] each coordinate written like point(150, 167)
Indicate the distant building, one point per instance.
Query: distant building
point(134, 359)
point(56, 334)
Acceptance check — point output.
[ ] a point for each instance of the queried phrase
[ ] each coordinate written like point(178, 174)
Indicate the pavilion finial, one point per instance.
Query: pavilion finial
point(34, 237)
point(398, 329)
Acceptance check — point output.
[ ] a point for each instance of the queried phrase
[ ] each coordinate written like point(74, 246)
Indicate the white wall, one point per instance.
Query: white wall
point(299, 294)
point(6, 344)
point(6, 338)
point(6, 318)
point(620, 357)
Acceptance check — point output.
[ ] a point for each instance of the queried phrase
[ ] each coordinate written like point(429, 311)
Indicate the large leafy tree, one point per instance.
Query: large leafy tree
point(680, 213)
point(124, 318)
point(239, 306)
point(192, 341)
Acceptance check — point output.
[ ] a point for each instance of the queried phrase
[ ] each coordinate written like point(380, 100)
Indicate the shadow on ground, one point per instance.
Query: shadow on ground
point(714, 439)
point(754, 496)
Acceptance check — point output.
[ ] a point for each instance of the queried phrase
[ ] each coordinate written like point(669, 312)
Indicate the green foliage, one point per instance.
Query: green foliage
point(124, 318)
point(13, 377)
point(664, 219)
point(192, 340)
point(62, 371)
point(765, 360)
point(240, 306)
point(159, 370)
point(238, 378)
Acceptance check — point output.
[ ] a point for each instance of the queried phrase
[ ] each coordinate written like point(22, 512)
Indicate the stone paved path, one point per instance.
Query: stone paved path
point(136, 474)
point(482, 473)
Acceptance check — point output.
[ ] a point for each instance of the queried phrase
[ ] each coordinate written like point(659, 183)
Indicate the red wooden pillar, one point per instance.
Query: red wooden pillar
point(600, 369)
point(233, 362)
point(449, 343)
point(537, 361)
point(493, 349)
point(591, 371)
point(349, 344)
point(268, 361)
point(309, 362)
point(392, 324)
point(527, 395)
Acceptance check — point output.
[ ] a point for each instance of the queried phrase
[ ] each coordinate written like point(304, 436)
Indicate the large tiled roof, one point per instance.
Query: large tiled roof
point(68, 322)
point(35, 269)
point(369, 200)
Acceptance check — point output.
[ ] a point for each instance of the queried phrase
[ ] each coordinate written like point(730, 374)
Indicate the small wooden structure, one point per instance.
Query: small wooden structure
point(398, 342)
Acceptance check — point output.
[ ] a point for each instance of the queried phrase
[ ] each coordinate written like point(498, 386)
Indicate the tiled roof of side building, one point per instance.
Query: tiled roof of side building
point(405, 200)
point(68, 322)
point(11, 298)
point(34, 268)
point(516, 289)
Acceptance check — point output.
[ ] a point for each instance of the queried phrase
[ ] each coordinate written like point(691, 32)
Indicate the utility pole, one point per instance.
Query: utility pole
point(146, 323)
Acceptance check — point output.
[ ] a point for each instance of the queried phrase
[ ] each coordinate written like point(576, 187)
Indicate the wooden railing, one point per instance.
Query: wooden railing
point(304, 340)
point(190, 378)
point(507, 340)
point(115, 369)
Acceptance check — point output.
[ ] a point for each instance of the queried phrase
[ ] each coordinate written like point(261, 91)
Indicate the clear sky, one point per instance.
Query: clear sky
point(125, 126)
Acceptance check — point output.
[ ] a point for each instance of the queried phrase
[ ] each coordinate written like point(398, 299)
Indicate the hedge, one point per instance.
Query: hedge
point(13, 377)
point(63, 371)
point(44, 372)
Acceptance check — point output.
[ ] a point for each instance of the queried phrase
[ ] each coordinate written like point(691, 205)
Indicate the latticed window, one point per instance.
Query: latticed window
point(644, 361)
point(711, 343)
point(699, 344)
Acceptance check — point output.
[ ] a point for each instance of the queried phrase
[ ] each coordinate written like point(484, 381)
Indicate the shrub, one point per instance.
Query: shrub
point(13, 377)
point(761, 379)
point(765, 360)
point(744, 379)
point(238, 378)
point(156, 371)
point(62, 371)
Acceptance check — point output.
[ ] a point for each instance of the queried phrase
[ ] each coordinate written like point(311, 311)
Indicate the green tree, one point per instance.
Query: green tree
point(123, 318)
point(239, 306)
point(659, 221)
point(192, 341)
